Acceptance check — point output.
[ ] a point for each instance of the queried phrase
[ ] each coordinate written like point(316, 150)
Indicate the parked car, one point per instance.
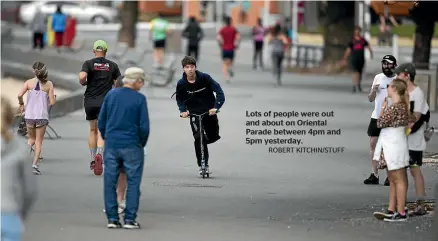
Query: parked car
point(83, 12)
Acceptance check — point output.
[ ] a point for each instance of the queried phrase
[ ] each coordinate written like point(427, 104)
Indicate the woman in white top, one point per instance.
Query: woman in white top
point(392, 149)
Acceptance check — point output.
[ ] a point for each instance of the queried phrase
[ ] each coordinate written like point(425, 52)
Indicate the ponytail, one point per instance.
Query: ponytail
point(40, 71)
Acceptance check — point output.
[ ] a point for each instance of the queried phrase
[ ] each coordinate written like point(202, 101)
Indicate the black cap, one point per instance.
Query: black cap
point(406, 68)
point(390, 59)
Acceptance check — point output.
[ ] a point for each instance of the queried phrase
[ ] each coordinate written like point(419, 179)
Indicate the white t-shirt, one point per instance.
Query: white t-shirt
point(416, 140)
point(383, 81)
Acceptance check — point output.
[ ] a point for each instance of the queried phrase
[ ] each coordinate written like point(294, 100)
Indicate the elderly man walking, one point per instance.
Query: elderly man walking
point(124, 125)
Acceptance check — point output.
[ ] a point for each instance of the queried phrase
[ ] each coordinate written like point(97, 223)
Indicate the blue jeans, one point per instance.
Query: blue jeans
point(12, 227)
point(132, 160)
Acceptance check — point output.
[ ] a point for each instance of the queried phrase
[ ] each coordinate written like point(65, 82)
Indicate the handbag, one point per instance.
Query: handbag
point(22, 129)
point(381, 163)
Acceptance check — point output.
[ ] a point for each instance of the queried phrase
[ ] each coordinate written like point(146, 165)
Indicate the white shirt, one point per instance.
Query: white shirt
point(416, 140)
point(383, 81)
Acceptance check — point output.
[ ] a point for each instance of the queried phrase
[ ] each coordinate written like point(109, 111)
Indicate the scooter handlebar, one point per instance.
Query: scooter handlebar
point(198, 115)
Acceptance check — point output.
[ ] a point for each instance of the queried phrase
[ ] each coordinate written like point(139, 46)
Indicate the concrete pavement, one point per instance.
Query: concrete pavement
point(210, 52)
point(210, 56)
point(253, 195)
point(10, 87)
point(210, 33)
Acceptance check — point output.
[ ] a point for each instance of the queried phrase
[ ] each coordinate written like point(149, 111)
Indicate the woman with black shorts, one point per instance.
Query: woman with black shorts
point(356, 50)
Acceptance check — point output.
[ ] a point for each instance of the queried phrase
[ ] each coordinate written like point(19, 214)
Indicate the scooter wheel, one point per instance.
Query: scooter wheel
point(208, 175)
point(203, 175)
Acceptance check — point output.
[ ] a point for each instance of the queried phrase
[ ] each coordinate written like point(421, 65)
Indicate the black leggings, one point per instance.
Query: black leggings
point(194, 49)
point(38, 40)
point(258, 52)
point(277, 64)
point(211, 134)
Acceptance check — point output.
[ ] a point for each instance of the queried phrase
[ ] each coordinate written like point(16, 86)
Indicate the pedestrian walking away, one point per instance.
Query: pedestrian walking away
point(194, 34)
point(356, 52)
point(195, 95)
point(59, 21)
point(159, 31)
point(416, 133)
point(98, 75)
point(258, 33)
point(18, 188)
point(378, 93)
point(124, 125)
point(229, 39)
point(39, 28)
point(392, 150)
point(121, 184)
point(279, 42)
point(40, 98)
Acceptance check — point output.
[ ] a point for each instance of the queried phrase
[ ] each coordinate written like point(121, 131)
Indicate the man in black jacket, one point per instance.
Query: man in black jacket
point(193, 32)
point(195, 94)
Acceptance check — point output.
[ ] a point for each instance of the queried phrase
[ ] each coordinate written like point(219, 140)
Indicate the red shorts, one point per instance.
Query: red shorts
point(59, 36)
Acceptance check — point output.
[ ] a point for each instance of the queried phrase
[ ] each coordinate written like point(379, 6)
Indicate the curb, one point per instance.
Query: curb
point(64, 105)
point(22, 71)
point(60, 69)
point(17, 63)
point(68, 104)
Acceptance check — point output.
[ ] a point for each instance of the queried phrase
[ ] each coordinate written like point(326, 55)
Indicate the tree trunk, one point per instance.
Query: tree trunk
point(338, 30)
point(128, 19)
point(423, 44)
point(424, 15)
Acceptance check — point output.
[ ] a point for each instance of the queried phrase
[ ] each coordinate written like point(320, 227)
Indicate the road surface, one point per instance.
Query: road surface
point(253, 195)
point(209, 45)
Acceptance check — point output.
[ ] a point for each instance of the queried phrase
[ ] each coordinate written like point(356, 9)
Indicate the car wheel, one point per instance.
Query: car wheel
point(99, 19)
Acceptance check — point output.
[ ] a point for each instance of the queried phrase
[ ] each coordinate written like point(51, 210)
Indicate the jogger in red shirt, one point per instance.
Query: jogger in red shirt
point(228, 38)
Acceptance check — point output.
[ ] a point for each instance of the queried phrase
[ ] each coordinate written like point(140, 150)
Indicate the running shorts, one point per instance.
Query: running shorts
point(160, 44)
point(92, 113)
point(228, 54)
point(373, 130)
point(415, 158)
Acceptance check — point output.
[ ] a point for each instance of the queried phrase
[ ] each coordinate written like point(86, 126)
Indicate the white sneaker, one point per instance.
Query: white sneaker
point(207, 170)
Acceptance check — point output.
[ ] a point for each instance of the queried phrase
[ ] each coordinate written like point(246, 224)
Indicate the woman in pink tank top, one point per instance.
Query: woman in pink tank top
point(40, 97)
point(258, 33)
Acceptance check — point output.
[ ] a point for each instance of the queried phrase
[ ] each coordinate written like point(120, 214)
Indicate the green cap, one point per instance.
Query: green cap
point(406, 68)
point(100, 45)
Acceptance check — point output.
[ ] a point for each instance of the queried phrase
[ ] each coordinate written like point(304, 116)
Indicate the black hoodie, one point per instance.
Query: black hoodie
point(198, 97)
point(193, 32)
